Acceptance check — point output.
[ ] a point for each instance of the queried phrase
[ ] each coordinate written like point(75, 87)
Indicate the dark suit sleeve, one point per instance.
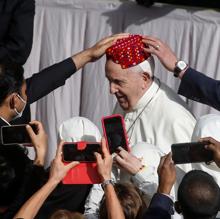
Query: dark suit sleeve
point(17, 42)
point(161, 207)
point(47, 80)
point(197, 86)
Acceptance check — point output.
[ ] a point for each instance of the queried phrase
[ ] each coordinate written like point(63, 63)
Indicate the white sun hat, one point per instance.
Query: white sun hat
point(79, 129)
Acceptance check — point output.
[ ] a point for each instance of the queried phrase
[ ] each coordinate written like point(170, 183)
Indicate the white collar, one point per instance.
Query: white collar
point(5, 121)
point(148, 95)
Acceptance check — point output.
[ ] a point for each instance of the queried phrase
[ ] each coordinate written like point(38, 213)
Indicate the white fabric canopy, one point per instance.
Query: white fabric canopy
point(65, 27)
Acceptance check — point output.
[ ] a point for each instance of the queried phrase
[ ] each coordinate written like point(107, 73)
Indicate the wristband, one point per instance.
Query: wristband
point(107, 182)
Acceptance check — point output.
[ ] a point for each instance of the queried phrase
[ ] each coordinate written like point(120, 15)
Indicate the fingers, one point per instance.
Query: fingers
point(123, 153)
point(30, 131)
point(38, 125)
point(212, 144)
point(121, 35)
point(151, 50)
point(208, 139)
point(71, 165)
point(162, 159)
point(168, 159)
point(118, 36)
point(59, 150)
point(109, 41)
point(99, 159)
point(119, 160)
point(104, 148)
point(211, 147)
point(151, 39)
point(152, 42)
point(165, 160)
point(152, 47)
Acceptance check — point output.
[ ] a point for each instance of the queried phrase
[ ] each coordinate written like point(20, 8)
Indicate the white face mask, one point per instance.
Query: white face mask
point(19, 114)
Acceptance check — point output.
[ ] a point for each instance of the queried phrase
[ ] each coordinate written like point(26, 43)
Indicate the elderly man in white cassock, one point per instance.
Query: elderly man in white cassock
point(153, 112)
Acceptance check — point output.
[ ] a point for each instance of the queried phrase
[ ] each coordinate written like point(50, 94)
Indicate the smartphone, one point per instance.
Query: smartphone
point(16, 134)
point(192, 152)
point(80, 151)
point(115, 132)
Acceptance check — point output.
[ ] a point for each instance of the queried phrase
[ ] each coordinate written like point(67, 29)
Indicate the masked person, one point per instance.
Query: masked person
point(16, 35)
point(16, 91)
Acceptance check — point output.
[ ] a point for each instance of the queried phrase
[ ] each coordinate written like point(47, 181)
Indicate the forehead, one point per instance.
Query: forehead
point(113, 70)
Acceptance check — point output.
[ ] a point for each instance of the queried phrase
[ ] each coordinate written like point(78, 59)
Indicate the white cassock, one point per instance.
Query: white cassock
point(162, 119)
point(159, 118)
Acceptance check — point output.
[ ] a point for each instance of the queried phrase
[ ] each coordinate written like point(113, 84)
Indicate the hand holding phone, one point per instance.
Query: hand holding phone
point(16, 134)
point(128, 161)
point(58, 169)
point(167, 174)
point(191, 152)
point(115, 132)
point(213, 146)
point(86, 171)
point(80, 151)
point(104, 163)
point(38, 138)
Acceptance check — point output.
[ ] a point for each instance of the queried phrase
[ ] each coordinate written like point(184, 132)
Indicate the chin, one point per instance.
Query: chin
point(125, 107)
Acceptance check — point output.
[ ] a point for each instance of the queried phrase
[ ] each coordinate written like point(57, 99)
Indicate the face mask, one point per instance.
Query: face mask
point(19, 114)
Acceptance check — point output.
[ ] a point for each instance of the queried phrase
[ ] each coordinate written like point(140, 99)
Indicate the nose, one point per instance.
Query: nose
point(113, 88)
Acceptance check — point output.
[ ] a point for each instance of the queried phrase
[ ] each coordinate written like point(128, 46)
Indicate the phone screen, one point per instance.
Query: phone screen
point(191, 153)
point(15, 134)
point(115, 133)
point(72, 153)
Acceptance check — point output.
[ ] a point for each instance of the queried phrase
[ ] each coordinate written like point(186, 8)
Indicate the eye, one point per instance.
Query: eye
point(118, 82)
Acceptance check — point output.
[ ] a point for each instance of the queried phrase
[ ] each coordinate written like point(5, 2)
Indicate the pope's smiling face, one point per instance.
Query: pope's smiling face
point(127, 86)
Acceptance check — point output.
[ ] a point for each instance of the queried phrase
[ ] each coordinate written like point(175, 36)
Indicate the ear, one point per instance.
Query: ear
point(177, 207)
point(146, 78)
point(12, 101)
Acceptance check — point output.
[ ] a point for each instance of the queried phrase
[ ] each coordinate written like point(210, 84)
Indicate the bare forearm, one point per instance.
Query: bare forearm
point(33, 204)
point(113, 205)
point(82, 58)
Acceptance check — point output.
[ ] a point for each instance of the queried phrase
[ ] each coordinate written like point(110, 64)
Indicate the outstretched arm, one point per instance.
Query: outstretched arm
point(97, 51)
point(162, 51)
point(104, 166)
point(194, 85)
point(161, 206)
point(57, 172)
point(56, 75)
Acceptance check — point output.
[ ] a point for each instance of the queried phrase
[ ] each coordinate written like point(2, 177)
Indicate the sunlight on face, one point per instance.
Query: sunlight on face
point(126, 85)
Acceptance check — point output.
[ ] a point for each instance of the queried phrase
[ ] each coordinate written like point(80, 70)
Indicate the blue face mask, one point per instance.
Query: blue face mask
point(19, 114)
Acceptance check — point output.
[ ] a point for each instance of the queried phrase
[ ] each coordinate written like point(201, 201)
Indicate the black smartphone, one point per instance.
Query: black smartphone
point(193, 152)
point(115, 132)
point(16, 134)
point(85, 153)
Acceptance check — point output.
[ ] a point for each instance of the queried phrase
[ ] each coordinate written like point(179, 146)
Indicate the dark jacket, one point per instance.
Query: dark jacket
point(70, 197)
point(201, 88)
point(161, 207)
point(16, 29)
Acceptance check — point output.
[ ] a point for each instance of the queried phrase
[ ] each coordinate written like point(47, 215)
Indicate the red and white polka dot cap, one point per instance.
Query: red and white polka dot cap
point(129, 52)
